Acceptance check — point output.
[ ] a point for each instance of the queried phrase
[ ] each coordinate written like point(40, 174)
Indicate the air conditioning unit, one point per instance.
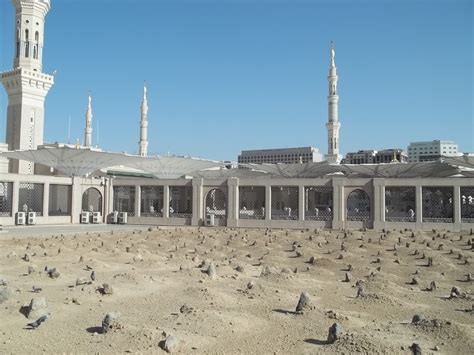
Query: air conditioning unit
point(31, 217)
point(123, 217)
point(96, 217)
point(210, 220)
point(85, 217)
point(20, 218)
point(113, 217)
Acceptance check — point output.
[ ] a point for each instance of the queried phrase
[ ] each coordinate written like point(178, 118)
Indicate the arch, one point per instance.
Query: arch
point(216, 203)
point(92, 200)
point(358, 206)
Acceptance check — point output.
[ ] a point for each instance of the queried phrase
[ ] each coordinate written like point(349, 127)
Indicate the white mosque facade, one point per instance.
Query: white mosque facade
point(59, 184)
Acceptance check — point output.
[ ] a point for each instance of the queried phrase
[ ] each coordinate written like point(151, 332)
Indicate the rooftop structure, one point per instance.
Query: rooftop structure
point(281, 155)
point(431, 150)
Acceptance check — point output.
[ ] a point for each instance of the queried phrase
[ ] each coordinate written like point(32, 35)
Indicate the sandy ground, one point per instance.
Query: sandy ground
point(153, 273)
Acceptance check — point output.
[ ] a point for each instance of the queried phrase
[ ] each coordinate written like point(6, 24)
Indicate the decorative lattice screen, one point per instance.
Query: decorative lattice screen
point(92, 200)
point(358, 206)
point(181, 201)
point(437, 204)
point(124, 199)
point(252, 202)
point(31, 198)
point(152, 201)
point(285, 202)
point(400, 204)
point(467, 204)
point(6, 192)
point(318, 203)
point(60, 200)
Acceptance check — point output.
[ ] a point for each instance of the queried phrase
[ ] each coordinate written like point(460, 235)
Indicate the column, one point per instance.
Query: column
point(15, 198)
point(268, 202)
point(301, 202)
point(138, 200)
point(198, 202)
point(76, 200)
point(457, 207)
point(233, 201)
point(46, 199)
point(166, 201)
point(339, 206)
point(419, 206)
point(379, 203)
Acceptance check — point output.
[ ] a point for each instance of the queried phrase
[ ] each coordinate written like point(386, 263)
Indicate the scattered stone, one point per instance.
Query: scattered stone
point(106, 289)
point(416, 319)
point(469, 277)
point(416, 349)
point(334, 333)
point(348, 277)
point(32, 269)
point(415, 281)
point(170, 344)
point(433, 286)
point(211, 271)
point(312, 260)
point(430, 262)
point(53, 273)
point(185, 309)
point(5, 294)
point(455, 292)
point(361, 291)
point(3, 281)
point(81, 281)
point(138, 257)
point(109, 321)
point(37, 308)
point(239, 268)
point(250, 285)
point(303, 302)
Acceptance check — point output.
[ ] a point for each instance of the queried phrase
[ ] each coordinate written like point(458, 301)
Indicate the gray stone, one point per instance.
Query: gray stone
point(3, 281)
point(211, 271)
point(303, 302)
point(416, 349)
point(109, 321)
point(348, 277)
point(81, 281)
point(334, 333)
point(53, 273)
point(106, 289)
point(5, 294)
point(32, 269)
point(416, 319)
point(170, 344)
point(433, 286)
point(37, 308)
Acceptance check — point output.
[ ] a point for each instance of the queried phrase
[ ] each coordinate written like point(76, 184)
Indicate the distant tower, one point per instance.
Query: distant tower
point(88, 129)
point(333, 124)
point(143, 144)
point(25, 84)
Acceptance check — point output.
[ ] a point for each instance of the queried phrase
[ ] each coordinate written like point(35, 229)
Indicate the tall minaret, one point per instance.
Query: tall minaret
point(333, 124)
point(88, 129)
point(25, 84)
point(143, 144)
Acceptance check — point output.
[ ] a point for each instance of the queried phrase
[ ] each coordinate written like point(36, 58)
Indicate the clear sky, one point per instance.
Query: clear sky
point(227, 75)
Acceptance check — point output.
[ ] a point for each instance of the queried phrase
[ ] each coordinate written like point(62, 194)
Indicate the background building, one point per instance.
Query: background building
point(283, 155)
point(376, 157)
point(431, 151)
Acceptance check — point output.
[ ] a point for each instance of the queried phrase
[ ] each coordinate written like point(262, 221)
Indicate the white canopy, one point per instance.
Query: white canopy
point(82, 161)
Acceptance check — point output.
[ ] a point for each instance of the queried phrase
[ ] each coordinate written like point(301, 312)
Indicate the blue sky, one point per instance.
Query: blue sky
point(229, 75)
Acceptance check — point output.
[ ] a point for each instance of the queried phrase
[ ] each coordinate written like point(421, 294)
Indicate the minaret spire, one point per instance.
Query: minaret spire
point(143, 144)
point(333, 124)
point(88, 129)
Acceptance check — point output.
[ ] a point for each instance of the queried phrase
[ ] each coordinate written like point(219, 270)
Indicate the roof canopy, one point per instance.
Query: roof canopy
point(83, 161)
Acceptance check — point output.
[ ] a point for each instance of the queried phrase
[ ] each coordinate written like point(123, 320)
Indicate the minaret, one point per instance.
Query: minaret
point(25, 84)
point(143, 144)
point(88, 129)
point(333, 124)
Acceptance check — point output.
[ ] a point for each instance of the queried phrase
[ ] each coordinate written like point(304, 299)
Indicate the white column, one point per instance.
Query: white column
point(15, 197)
point(338, 217)
point(233, 201)
point(379, 203)
point(138, 200)
point(46, 199)
point(457, 207)
point(166, 201)
point(198, 202)
point(419, 206)
point(301, 202)
point(268, 202)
